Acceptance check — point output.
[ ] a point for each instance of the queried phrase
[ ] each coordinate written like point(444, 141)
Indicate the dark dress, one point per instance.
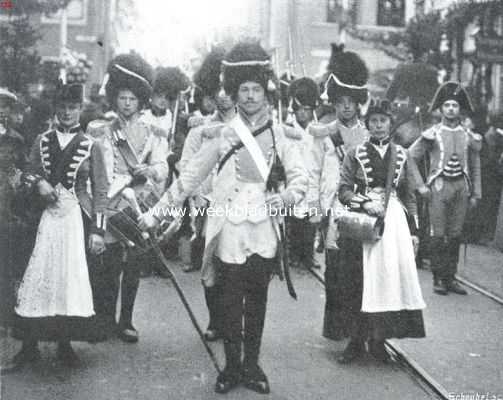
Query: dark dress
point(69, 169)
point(343, 316)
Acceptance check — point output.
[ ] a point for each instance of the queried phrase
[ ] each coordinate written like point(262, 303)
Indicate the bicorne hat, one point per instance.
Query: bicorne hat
point(452, 91)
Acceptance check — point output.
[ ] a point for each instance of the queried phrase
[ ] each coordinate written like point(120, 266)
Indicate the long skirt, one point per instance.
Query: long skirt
point(344, 278)
point(54, 299)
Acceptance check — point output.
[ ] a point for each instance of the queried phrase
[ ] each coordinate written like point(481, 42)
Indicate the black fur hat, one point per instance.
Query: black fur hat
point(170, 80)
point(304, 92)
point(417, 81)
point(207, 79)
point(347, 75)
point(247, 62)
point(131, 72)
point(452, 91)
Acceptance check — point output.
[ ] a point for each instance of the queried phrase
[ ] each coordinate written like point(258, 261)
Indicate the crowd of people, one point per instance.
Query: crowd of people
point(330, 153)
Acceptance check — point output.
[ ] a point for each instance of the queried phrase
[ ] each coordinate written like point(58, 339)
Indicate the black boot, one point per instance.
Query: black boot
point(354, 349)
point(254, 377)
point(438, 264)
point(377, 349)
point(439, 286)
point(230, 377)
point(66, 354)
point(29, 353)
point(451, 284)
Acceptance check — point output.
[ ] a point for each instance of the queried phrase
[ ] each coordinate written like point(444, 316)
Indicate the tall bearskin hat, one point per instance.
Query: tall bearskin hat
point(72, 93)
point(131, 72)
point(207, 79)
point(8, 95)
point(303, 92)
point(347, 75)
point(452, 91)
point(417, 81)
point(247, 62)
point(170, 80)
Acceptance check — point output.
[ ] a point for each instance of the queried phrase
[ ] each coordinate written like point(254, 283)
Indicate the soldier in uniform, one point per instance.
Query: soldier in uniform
point(54, 300)
point(453, 179)
point(159, 114)
point(346, 88)
point(207, 80)
point(303, 98)
point(135, 153)
point(242, 236)
point(12, 160)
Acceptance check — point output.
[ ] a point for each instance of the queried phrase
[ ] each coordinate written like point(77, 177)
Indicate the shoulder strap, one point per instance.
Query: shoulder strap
point(240, 144)
point(390, 175)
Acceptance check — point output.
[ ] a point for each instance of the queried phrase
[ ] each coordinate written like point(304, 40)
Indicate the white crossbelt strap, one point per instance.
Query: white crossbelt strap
point(251, 145)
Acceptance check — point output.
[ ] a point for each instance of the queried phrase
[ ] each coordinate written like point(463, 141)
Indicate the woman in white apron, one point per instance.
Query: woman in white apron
point(379, 292)
point(54, 299)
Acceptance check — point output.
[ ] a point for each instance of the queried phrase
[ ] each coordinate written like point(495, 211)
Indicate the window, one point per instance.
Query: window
point(391, 13)
point(334, 10)
point(76, 12)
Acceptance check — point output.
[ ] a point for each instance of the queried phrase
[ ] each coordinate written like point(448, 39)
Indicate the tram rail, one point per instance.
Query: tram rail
point(405, 361)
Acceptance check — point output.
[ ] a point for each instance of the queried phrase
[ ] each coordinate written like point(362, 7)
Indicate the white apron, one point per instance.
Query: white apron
point(390, 280)
point(56, 281)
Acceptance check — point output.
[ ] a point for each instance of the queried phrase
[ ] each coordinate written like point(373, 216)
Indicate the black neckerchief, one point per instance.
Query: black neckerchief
point(379, 142)
point(74, 129)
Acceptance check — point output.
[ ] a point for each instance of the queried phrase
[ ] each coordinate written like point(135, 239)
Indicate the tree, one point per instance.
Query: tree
point(30, 7)
point(19, 60)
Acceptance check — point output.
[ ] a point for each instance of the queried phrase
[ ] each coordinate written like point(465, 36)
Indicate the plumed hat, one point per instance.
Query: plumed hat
point(72, 93)
point(347, 75)
point(131, 72)
point(247, 62)
point(417, 81)
point(170, 80)
point(303, 92)
point(378, 106)
point(7, 94)
point(452, 91)
point(207, 79)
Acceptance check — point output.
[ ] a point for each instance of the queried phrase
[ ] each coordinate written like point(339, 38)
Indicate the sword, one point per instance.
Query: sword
point(285, 257)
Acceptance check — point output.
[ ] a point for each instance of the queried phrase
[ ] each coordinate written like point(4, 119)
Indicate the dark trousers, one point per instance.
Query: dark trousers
point(301, 239)
point(213, 296)
point(106, 279)
point(244, 299)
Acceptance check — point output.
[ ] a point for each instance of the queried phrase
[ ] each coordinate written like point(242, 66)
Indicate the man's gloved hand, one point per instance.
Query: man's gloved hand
point(147, 221)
